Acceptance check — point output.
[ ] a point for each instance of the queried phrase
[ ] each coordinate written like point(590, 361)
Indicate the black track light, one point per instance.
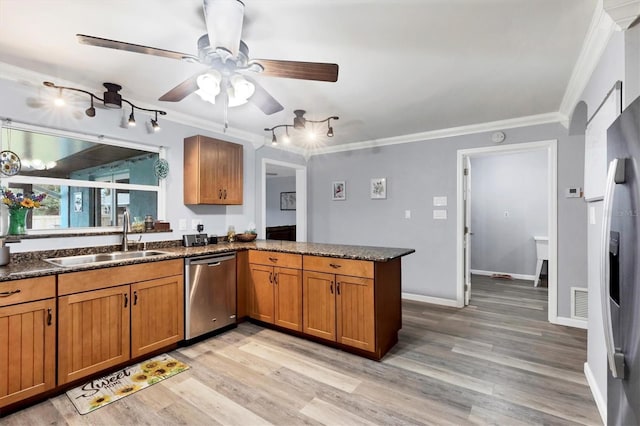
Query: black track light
point(274, 140)
point(132, 120)
point(299, 123)
point(91, 111)
point(154, 123)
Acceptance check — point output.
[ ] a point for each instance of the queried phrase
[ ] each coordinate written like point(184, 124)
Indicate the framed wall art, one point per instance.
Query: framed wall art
point(378, 188)
point(287, 201)
point(339, 189)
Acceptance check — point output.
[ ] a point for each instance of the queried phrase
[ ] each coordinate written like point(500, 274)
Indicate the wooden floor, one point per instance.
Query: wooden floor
point(497, 361)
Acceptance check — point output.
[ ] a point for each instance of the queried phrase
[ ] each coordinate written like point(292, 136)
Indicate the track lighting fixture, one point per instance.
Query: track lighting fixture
point(300, 123)
point(111, 99)
point(132, 120)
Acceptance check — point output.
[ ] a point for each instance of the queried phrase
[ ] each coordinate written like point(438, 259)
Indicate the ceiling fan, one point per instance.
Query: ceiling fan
point(227, 56)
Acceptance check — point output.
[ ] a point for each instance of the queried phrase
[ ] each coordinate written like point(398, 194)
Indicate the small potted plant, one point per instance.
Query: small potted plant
point(19, 206)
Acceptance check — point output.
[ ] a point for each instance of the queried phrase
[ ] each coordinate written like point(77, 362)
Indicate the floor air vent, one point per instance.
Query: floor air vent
point(579, 303)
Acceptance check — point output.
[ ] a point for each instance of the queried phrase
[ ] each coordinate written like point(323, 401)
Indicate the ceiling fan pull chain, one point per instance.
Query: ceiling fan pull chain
point(226, 108)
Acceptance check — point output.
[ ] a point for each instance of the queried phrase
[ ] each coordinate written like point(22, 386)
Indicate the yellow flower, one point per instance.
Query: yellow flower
point(142, 377)
point(28, 203)
point(36, 204)
point(172, 364)
point(128, 389)
point(6, 201)
point(160, 371)
point(149, 366)
point(100, 400)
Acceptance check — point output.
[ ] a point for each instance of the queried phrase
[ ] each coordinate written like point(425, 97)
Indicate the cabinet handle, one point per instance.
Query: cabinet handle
point(126, 300)
point(335, 265)
point(275, 278)
point(135, 298)
point(9, 293)
point(219, 193)
point(274, 259)
point(331, 287)
point(271, 277)
point(338, 288)
point(49, 316)
point(225, 194)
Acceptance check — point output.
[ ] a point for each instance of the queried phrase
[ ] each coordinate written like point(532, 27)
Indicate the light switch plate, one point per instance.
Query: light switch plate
point(440, 214)
point(407, 214)
point(440, 201)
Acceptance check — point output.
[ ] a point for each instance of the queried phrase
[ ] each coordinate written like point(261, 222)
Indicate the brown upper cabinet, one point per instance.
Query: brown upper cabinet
point(212, 171)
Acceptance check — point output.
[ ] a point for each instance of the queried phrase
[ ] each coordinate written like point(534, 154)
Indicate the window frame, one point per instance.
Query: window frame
point(160, 189)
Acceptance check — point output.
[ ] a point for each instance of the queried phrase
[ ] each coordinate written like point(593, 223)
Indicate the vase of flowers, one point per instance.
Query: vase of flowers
point(19, 207)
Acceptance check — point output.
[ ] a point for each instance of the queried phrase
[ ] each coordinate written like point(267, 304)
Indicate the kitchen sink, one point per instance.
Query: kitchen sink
point(89, 259)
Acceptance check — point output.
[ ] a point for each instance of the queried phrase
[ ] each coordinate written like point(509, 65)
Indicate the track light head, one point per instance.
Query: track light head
point(330, 132)
point(91, 111)
point(59, 101)
point(132, 120)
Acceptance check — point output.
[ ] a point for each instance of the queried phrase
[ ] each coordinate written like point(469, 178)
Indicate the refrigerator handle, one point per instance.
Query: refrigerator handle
point(616, 359)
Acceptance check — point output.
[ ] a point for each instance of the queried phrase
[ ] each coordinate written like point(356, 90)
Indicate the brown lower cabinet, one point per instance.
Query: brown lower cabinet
point(27, 338)
point(276, 291)
point(139, 310)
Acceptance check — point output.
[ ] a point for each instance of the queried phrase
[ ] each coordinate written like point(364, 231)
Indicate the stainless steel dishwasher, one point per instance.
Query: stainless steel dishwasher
point(210, 293)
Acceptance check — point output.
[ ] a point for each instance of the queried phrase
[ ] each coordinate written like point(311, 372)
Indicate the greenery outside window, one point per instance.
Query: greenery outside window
point(89, 181)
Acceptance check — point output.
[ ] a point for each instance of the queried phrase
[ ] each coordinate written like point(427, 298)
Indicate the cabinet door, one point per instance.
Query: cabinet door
point(261, 293)
point(230, 172)
point(27, 350)
point(319, 305)
point(93, 332)
point(355, 316)
point(288, 298)
point(157, 314)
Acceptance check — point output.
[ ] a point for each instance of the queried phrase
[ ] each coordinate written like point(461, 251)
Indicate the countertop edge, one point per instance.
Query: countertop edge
point(40, 268)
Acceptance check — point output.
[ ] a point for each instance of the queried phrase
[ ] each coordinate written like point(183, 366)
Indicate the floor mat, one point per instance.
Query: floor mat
point(105, 390)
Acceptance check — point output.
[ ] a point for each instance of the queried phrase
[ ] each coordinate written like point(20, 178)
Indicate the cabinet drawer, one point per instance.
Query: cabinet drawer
point(27, 290)
point(332, 265)
point(273, 258)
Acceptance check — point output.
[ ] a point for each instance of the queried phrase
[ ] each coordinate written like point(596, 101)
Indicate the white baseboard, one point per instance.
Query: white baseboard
point(596, 392)
point(516, 276)
point(429, 299)
point(571, 322)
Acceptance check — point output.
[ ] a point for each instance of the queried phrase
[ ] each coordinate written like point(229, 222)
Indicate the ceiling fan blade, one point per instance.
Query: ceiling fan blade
point(301, 70)
point(263, 100)
point(182, 90)
point(130, 47)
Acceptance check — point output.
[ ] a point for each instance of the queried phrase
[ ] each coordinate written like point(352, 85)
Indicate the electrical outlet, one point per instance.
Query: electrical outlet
point(407, 214)
point(182, 224)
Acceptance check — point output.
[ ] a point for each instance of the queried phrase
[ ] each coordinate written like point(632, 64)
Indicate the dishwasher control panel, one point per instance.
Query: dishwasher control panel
point(194, 240)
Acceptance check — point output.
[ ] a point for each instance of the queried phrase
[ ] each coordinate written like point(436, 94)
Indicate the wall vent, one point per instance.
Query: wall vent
point(579, 303)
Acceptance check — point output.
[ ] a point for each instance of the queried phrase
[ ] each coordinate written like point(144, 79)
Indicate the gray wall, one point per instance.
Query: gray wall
point(276, 185)
point(516, 184)
point(416, 172)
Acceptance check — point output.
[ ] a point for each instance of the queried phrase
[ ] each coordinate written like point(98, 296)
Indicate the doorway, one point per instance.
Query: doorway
point(284, 201)
point(464, 234)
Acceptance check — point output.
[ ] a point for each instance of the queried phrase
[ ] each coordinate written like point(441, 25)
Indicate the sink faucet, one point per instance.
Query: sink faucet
point(126, 228)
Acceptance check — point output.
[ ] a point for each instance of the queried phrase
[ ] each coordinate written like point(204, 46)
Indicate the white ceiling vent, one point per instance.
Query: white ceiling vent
point(579, 303)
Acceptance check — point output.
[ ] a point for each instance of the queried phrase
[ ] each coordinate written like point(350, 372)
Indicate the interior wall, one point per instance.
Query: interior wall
point(416, 172)
point(275, 216)
point(610, 69)
point(509, 203)
point(19, 104)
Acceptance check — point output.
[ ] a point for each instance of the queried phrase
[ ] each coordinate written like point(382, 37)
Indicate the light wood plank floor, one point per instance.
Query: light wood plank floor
point(497, 361)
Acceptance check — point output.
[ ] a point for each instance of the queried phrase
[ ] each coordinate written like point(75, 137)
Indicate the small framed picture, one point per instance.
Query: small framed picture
point(378, 188)
point(287, 201)
point(339, 190)
point(77, 202)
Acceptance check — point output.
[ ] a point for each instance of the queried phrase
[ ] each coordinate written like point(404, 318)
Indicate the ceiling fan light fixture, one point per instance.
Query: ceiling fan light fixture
point(239, 90)
point(224, 24)
point(209, 85)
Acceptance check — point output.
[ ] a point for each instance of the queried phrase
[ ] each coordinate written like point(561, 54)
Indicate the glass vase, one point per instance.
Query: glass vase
point(18, 221)
point(4, 220)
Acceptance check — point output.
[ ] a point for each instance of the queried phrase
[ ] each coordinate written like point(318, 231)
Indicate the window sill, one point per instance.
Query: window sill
point(17, 238)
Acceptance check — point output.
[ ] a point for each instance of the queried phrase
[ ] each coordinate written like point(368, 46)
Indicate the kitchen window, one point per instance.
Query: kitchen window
point(89, 181)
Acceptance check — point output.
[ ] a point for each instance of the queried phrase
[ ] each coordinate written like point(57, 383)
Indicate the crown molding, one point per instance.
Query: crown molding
point(531, 120)
point(623, 12)
point(595, 42)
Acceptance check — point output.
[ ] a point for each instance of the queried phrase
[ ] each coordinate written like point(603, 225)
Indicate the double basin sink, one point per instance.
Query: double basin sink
point(91, 259)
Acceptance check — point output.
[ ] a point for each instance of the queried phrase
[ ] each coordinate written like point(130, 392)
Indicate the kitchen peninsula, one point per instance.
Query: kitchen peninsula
point(343, 296)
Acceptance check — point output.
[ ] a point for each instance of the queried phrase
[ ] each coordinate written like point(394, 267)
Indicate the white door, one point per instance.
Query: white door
point(466, 188)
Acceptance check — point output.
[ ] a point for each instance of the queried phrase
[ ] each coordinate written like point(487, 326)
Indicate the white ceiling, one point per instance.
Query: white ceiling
point(406, 67)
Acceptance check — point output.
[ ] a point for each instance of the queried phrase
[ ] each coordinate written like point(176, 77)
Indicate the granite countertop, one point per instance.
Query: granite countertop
point(31, 265)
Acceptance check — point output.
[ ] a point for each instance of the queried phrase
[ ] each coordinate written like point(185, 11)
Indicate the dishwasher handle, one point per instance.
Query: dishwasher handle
point(211, 260)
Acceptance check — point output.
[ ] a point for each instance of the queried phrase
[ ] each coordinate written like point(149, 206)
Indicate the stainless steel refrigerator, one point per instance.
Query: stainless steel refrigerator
point(621, 268)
